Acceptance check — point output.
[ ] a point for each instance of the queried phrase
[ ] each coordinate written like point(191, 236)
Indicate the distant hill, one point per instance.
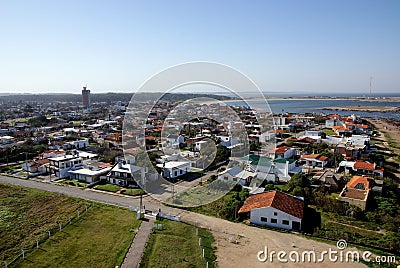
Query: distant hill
point(103, 97)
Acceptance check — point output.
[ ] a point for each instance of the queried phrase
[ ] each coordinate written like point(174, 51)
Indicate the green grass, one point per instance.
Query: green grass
point(100, 238)
point(133, 192)
point(178, 246)
point(282, 187)
point(10, 168)
point(108, 187)
point(328, 131)
point(25, 215)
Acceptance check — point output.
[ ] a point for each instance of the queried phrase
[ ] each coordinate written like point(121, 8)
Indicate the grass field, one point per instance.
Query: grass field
point(108, 187)
point(99, 238)
point(178, 246)
point(25, 215)
point(133, 192)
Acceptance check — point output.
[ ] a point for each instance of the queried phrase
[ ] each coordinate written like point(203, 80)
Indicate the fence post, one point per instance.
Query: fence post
point(203, 252)
point(23, 254)
point(49, 234)
point(37, 243)
point(200, 241)
point(60, 225)
point(207, 265)
point(197, 231)
point(5, 263)
point(86, 208)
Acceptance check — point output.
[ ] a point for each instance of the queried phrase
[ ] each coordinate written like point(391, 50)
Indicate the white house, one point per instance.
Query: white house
point(174, 169)
point(238, 175)
point(313, 134)
point(121, 173)
point(174, 140)
point(78, 144)
point(315, 160)
point(274, 209)
point(283, 151)
point(61, 165)
point(90, 172)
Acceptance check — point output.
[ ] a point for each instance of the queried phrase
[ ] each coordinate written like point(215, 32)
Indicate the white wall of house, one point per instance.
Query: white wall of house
point(265, 216)
point(175, 169)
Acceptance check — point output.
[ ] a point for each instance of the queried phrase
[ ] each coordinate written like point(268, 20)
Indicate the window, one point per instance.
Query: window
point(264, 219)
point(275, 213)
point(285, 222)
point(180, 171)
point(274, 221)
point(175, 173)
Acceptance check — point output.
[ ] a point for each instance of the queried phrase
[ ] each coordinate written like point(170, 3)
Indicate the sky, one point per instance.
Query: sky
point(115, 46)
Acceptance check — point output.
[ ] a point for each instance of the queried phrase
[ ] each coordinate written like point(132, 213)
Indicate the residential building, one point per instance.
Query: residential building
point(274, 209)
point(61, 165)
point(237, 175)
point(315, 161)
point(356, 191)
point(91, 171)
point(121, 173)
point(174, 169)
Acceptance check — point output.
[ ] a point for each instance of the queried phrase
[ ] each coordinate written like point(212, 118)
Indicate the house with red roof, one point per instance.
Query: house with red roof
point(283, 152)
point(356, 191)
point(314, 161)
point(274, 209)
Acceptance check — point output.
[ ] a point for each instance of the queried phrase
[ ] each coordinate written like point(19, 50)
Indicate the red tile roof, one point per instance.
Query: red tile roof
point(366, 181)
point(276, 199)
point(315, 156)
point(281, 149)
point(364, 165)
point(310, 156)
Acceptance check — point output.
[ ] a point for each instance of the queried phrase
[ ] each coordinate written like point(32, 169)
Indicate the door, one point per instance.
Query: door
point(295, 225)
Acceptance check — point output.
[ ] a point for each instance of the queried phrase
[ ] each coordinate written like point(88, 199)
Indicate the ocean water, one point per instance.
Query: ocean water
point(315, 106)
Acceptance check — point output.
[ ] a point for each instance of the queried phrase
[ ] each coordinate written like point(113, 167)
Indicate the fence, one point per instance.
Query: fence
point(159, 214)
point(202, 247)
point(58, 227)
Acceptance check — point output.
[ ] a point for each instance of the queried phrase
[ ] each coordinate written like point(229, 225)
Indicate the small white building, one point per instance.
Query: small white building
point(78, 144)
point(274, 209)
point(88, 175)
point(174, 169)
point(237, 175)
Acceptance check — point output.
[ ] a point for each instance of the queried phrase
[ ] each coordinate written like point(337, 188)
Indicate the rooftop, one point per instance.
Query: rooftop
point(276, 199)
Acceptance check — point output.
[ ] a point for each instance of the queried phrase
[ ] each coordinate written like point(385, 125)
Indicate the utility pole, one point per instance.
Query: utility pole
point(26, 164)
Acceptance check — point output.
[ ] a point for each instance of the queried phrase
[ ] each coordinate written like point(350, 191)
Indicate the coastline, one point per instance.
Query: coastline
point(370, 109)
point(388, 99)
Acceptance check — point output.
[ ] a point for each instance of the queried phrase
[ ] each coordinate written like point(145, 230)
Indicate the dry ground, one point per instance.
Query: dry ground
point(251, 240)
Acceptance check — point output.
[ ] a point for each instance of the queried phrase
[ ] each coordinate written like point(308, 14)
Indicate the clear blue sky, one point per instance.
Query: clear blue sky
point(298, 45)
